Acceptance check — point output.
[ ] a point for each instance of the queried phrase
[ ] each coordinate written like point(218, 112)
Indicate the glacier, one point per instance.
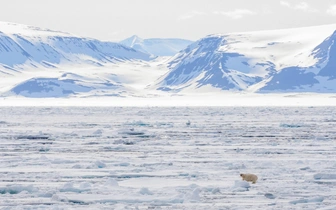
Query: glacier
point(156, 46)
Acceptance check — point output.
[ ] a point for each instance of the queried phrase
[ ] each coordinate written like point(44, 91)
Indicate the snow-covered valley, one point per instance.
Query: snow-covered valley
point(119, 79)
point(167, 158)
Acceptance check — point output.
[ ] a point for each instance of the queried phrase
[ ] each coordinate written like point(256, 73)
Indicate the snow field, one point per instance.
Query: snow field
point(167, 158)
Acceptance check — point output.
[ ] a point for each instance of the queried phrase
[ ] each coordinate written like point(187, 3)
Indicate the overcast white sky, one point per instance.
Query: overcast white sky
point(190, 19)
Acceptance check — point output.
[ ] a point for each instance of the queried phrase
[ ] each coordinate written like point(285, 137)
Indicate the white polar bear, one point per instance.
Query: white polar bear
point(249, 178)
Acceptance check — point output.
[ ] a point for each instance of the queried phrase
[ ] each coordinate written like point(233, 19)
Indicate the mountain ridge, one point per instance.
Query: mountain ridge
point(274, 61)
point(36, 62)
point(20, 44)
point(156, 46)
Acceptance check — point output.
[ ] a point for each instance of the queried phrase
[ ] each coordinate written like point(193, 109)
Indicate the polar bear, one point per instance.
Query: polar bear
point(249, 178)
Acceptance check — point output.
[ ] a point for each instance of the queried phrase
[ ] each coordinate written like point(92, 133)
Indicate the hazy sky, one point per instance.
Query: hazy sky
point(190, 19)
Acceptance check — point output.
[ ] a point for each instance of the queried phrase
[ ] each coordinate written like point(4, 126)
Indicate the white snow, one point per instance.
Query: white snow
point(26, 30)
point(156, 46)
point(88, 74)
point(129, 78)
point(51, 160)
point(280, 46)
point(241, 186)
point(134, 147)
point(250, 61)
point(217, 98)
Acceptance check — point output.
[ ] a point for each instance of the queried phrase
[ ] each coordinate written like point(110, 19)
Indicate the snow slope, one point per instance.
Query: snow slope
point(37, 62)
point(63, 86)
point(122, 79)
point(289, 60)
point(32, 46)
point(156, 47)
point(319, 77)
point(42, 63)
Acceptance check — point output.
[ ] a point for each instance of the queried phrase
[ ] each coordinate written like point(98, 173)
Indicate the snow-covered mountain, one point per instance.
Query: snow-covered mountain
point(290, 60)
point(202, 63)
point(28, 45)
point(122, 79)
point(37, 62)
point(156, 47)
point(320, 77)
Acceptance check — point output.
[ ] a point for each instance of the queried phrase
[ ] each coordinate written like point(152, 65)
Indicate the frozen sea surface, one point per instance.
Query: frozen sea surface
point(167, 158)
